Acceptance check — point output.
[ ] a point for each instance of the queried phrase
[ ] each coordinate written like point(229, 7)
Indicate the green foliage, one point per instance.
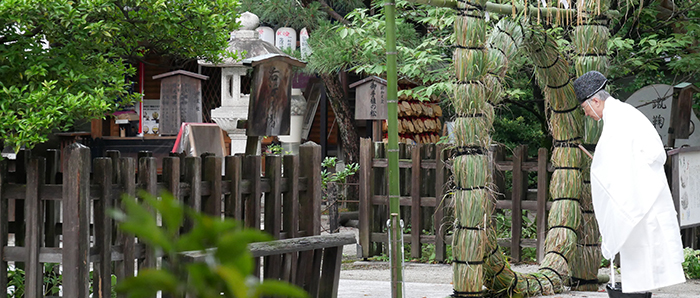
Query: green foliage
point(656, 44)
point(423, 43)
point(691, 264)
point(295, 14)
point(52, 281)
point(62, 61)
point(228, 270)
point(336, 177)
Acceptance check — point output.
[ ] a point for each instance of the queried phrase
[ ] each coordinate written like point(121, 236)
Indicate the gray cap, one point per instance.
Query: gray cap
point(589, 84)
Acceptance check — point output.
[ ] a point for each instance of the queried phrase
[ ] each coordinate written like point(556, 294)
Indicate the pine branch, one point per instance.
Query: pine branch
point(329, 10)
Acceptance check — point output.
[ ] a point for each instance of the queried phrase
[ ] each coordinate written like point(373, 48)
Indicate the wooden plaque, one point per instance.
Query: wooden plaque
point(370, 99)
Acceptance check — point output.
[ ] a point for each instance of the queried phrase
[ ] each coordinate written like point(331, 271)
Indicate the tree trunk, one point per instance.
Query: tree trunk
point(346, 127)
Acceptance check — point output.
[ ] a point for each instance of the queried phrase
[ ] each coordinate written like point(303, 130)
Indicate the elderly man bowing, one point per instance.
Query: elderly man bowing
point(631, 198)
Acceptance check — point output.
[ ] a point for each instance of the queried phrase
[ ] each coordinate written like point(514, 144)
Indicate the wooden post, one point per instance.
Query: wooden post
point(233, 202)
point(310, 155)
point(332, 258)
point(365, 194)
point(102, 279)
point(415, 202)
point(76, 225)
point(171, 176)
point(212, 175)
point(542, 191)
point(148, 181)
point(273, 199)
point(273, 212)
point(4, 222)
point(519, 193)
point(20, 176)
point(34, 227)
point(290, 205)
point(193, 169)
point(440, 249)
point(291, 197)
point(115, 155)
point(127, 180)
point(53, 213)
point(252, 172)
point(251, 201)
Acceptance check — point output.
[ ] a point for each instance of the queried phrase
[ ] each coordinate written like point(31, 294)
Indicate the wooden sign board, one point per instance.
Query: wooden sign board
point(180, 100)
point(270, 96)
point(370, 99)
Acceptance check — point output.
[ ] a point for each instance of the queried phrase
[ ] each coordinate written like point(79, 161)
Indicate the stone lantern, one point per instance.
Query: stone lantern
point(234, 105)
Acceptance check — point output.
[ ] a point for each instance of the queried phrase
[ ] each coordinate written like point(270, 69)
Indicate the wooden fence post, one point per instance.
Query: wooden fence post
point(34, 226)
point(440, 204)
point(273, 199)
point(211, 173)
point(127, 179)
point(252, 172)
point(193, 176)
point(330, 274)
point(273, 208)
point(53, 213)
point(171, 176)
point(148, 182)
point(20, 176)
point(310, 158)
point(542, 191)
point(365, 194)
point(290, 205)
point(233, 202)
point(310, 206)
point(519, 194)
point(415, 201)
point(4, 222)
point(76, 225)
point(102, 279)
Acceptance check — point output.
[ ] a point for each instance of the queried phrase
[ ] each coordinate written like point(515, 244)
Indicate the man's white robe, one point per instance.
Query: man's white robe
point(632, 201)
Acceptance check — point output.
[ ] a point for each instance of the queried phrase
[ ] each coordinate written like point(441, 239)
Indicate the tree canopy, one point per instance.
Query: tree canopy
point(63, 60)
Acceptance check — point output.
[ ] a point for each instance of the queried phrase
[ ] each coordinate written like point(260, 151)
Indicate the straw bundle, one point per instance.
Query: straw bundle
point(565, 123)
point(473, 131)
point(472, 176)
point(590, 44)
point(494, 88)
point(474, 63)
point(470, 26)
point(470, 98)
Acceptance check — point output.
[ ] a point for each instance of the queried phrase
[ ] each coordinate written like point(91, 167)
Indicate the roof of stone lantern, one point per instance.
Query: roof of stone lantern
point(246, 43)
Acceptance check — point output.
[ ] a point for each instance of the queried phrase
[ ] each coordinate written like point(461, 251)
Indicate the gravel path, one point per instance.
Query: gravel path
point(360, 278)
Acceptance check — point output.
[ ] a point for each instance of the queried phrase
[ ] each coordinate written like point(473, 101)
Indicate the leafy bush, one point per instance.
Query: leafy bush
point(227, 271)
point(691, 265)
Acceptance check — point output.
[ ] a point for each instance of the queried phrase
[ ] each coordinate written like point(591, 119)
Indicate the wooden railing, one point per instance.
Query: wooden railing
point(312, 263)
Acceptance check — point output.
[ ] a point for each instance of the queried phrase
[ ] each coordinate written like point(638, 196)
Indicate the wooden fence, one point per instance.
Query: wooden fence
point(428, 189)
point(196, 181)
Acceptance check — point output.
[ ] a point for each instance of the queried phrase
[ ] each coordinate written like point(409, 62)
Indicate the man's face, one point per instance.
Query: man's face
point(593, 107)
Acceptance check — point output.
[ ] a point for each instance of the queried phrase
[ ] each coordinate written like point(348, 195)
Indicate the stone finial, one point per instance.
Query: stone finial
point(248, 20)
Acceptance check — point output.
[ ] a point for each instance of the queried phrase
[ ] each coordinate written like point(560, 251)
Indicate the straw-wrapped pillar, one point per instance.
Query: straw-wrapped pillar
point(590, 39)
point(473, 123)
point(566, 126)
